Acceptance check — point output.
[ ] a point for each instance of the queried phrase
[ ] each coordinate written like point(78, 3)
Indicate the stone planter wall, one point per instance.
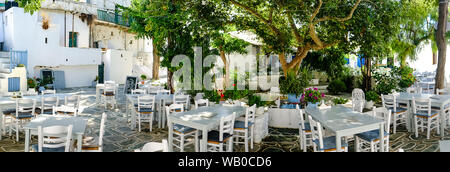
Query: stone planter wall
point(261, 127)
point(284, 118)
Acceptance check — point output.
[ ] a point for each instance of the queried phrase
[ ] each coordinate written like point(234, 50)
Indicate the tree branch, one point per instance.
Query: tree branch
point(294, 28)
point(326, 18)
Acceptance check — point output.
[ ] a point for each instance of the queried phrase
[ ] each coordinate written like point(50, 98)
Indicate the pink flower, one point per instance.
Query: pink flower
point(315, 98)
point(323, 95)
point(316, 89)
point(310, 94)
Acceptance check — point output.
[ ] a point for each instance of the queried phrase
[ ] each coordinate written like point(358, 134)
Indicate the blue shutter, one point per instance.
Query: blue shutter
point(13, 84)
point(60, 81)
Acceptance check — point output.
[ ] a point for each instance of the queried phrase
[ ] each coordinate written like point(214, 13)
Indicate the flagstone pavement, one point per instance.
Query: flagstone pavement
point(120, 138)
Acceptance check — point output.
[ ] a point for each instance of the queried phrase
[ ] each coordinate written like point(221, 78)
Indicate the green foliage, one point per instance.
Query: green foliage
point(336, 87)
point(43, 82)
point(143, 77)
point(30, 6)
point(352, 79)
point(254, 99)
point(20, 65)
point(372, 96)
point(331, 60)
point(339, 101)
point(31, 83)
point(295, 83)
point(395, 79)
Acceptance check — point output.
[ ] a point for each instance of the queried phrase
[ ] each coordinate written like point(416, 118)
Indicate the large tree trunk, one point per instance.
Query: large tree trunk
point(169, 81)
point(434, 58)
point(441, 43)
point(226, 78)
point(156, 62)
point(282, 59)
point(367, 74)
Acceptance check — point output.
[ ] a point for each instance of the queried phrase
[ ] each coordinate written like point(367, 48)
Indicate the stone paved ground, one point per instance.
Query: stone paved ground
point(119, 138)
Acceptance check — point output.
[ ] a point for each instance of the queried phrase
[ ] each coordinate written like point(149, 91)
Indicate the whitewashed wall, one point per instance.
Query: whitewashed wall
point(116, 38)
point(2, 32)
point(17, 72)
point(424, 62)
point(118, 65)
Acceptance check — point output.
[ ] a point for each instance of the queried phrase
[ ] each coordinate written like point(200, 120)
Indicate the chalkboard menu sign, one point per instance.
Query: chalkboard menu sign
point(130, 84)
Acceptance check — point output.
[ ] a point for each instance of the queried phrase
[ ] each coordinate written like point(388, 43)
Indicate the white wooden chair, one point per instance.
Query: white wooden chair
point(155, 147)
point(47, 104)
point(201, 103)
point(370, 141)
point(91, 144)
point(182, 99)
point(48, 92)
point(321, 144)
point(245, 129)
point(398, 113)
point(424, 116)
point(53, 139)
point(304, 131)
point(163, 92)
point(7, 120)
point(358, 100)
point(145, 110)
point(109, 95)
point(182, 132)
point(72, 101)
point(217, 139)
point(414, 90)
point(25, 111)
point(64, 111)
point(138, 91)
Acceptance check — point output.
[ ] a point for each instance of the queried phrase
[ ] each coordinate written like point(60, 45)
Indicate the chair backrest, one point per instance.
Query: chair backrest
point(138, 91)
point(358, 94)
point(174, 108)
point(302, 119)
point(389, 101)
point(201, 102)
point(163, 92)
point(48, 92)
point(422, 105)
point(64, 109)
point(316, 131)
point(414, 90)
point(199, 96)
point(54, 137)
point(73, 101)
point(384, 114)
point(48, 103)
point(102, 131)
point(25, 106)
point(155, 147)
point(146, 101)
point(250, 115)
point(442, 92)
point(226, 125)
point(358, 105)
point(110, 88)
point(182, 99)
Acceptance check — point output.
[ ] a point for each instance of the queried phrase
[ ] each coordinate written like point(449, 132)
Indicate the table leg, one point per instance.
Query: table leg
point(409, 117)
point(204, 141)
point(338, 143)
point(27, 140)
point(79, 142)
point(170, 135)
point(443, 124)
point(382, 138)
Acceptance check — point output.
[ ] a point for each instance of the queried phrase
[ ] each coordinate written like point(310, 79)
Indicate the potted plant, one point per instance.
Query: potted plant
point(312, 95)
point(143, 78)
point(293, 85)
point(31, 83)
point(95, 82)
point(371, 98)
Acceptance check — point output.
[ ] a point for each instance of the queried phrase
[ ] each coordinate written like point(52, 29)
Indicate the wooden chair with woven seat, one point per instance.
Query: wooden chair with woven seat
point(145, 110)
point(53, 139)
point(6, 120)
point(246, 128)
point(324, 144)
point(182, 132)
point(25, 111)
point(201, 103)
point(304, 131)
point(217, 139)
point(47, 104)
point(91, 144)
point(109, 95)
point(370, 141)
point(424, 116)
point(398, 113)
point(182, 99)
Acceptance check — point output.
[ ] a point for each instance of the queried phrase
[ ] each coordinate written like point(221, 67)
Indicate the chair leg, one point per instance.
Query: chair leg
point(230, 145)
point(17, 131)
point(416, 127)
point(357, 144)
point(182, 143)
point(139, 122)
point(395, 123)
point(246, 140)
point(428, 128)
point(196, 142)
point(252, 137)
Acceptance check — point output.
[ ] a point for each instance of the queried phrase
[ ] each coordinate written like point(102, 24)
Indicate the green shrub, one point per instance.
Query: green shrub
point(20, 65)
point(143, 77)
point(372, 96)
point(295, 83)
point(31, 83)
point(336, 87)
point(339, 101)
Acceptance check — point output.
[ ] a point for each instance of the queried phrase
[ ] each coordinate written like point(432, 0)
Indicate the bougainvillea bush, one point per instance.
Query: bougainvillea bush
point(312, 95)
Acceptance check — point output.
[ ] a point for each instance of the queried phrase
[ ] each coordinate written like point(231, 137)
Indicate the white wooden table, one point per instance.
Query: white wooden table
point(437, 101)
point(344, 122)
point(79, 127)
point(200, 120)
point(160, 102)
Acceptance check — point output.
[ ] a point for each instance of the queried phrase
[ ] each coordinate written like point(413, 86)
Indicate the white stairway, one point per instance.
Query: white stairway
point(4, 66)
